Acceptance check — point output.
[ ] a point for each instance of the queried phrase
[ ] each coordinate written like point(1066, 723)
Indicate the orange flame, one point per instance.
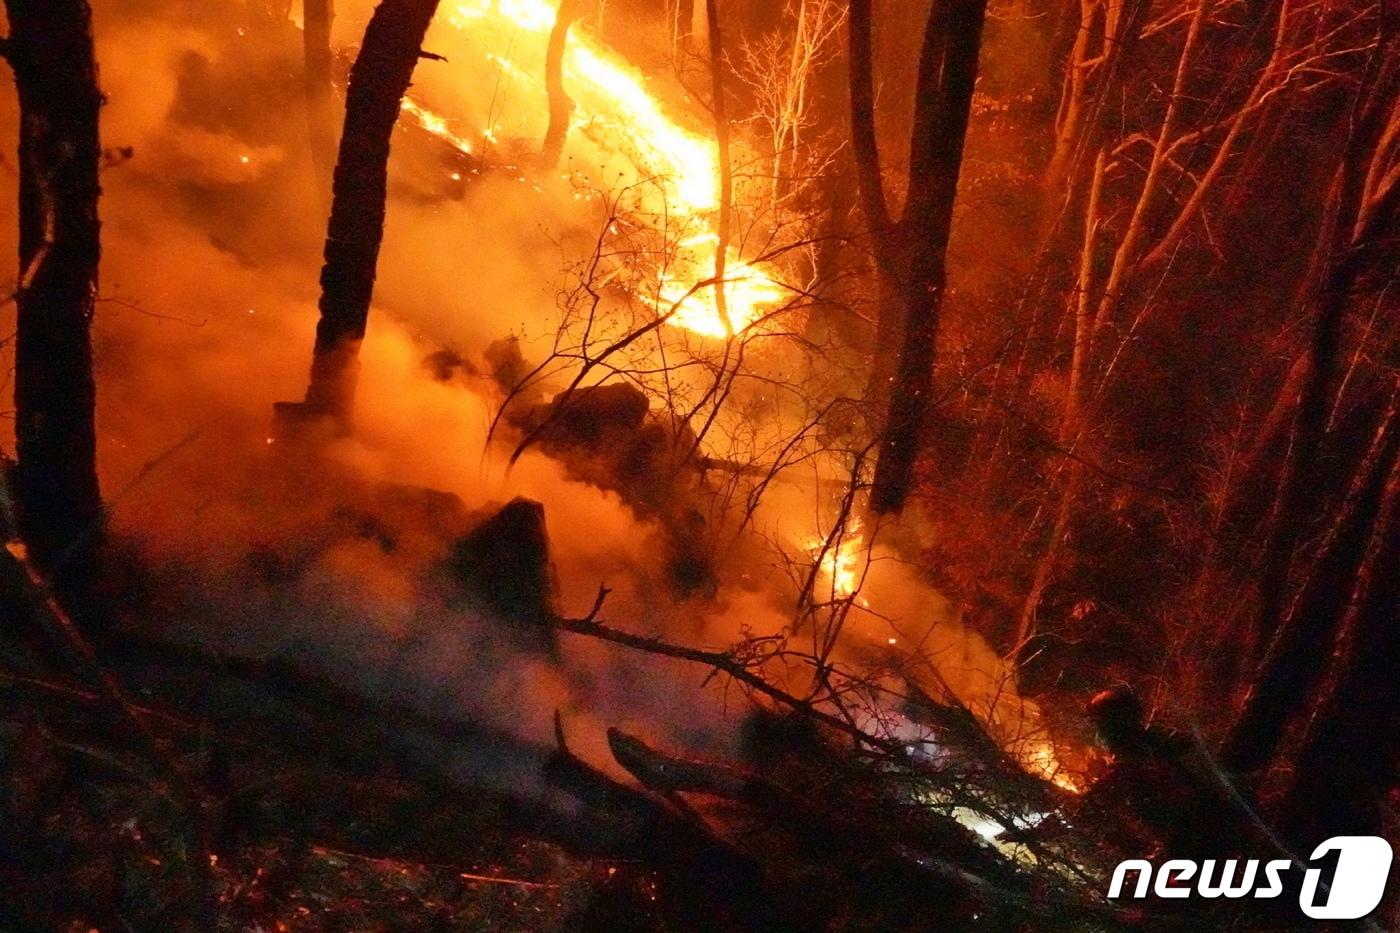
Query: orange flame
point(841, 561)
point(611, 99)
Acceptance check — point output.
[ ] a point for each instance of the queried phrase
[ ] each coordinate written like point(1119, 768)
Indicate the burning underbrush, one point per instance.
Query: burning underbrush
point(458, 619)
point(468, 613)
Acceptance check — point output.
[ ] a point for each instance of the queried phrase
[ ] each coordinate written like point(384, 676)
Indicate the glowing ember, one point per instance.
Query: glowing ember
point(611, 99)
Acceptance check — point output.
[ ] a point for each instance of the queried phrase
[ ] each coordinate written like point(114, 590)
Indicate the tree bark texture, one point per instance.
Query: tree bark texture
point(910, 253)
point(378, 80)
point(51, 52)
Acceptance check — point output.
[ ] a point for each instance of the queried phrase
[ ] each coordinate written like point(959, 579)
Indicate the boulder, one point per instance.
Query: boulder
point(503, 564)
point(608, 436)
point(588, 415)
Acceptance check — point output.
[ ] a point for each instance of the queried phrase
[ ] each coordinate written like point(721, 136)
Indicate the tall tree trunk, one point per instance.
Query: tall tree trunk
point(320, 98)
point(1300, 464)
point(1362, 209)
point(699, 24)
point(679, 15)
point(561, 108)
point(1093, 75)
point(1347, 765)
point(1299, 654)
point(378, 81)
point(726, 174)
point(1341, 260)
point(830, 317)
point(870, 188)
point(50, 50)
point(1072, 426)
point(910, 253)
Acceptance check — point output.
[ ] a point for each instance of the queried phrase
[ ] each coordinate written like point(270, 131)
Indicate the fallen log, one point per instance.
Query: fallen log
point(705, 882)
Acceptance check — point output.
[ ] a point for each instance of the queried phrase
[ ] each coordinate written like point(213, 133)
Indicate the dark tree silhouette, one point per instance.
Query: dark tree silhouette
point(726, 170)
point(910, 253)
point(50, 51)
point(561, 108)
point(1299, 656)
point(1338, 593)
point(1347, 765)
point(1357, 218)
point(378, 81)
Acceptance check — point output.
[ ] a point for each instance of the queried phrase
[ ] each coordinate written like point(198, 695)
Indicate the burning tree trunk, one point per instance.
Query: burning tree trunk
point(910, 252)
point(561, 108)
point(726, 174)
point(378, 81)
point(50, 50)
point(320, 104)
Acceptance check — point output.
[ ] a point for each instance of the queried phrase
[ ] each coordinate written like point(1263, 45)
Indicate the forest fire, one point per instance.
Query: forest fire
point(841, 560)
point(435, 124)
point(712, 464)
point(675, 168)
